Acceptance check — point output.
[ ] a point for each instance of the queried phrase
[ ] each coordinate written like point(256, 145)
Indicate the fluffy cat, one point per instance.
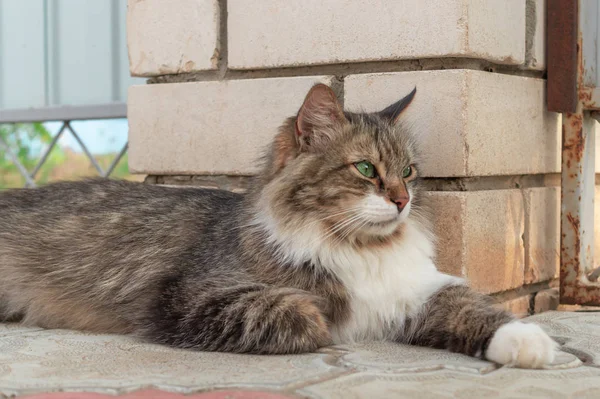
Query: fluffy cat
point(331, 245)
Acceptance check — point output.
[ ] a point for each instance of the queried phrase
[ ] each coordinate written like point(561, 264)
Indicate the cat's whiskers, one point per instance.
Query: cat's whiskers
point(258, 222)
point(350, 231)
point(340, 226)
point(350, 210)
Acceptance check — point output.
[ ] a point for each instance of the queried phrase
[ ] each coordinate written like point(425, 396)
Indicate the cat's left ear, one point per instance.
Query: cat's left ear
point(392, 113)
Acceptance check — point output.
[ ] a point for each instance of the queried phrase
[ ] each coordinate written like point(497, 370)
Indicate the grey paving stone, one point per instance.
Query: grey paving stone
point(583, 382)
point(394, 358)
point(579, 332)
point(36, 360)
point(52, 360)
point(15, 328)
point(390, 357)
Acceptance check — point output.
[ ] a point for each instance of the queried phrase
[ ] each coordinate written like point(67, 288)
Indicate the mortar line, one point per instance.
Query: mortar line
point(450, 184)
point(341, 69)
point(524, 290)
point(223, 46)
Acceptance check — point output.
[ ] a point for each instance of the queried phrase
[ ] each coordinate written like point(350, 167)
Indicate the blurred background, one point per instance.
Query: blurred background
point(64, 76)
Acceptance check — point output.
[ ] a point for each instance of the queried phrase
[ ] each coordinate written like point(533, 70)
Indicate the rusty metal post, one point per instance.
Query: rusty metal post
point(577, 210)
point(572, 90)
point(561, 38)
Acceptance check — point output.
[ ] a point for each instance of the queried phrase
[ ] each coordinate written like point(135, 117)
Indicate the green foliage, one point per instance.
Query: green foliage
point(25, 140)
point(122, 169)
point(28, 141)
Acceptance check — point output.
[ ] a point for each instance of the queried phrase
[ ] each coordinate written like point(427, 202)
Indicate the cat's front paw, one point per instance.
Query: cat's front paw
point(521, 345)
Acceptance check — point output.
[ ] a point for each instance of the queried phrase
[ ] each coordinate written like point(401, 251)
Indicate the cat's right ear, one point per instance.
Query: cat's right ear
point(392, 113)
point(319, 118)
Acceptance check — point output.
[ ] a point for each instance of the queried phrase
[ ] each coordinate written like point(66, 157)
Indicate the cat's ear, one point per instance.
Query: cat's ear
point(392, 113)
point(319, 117)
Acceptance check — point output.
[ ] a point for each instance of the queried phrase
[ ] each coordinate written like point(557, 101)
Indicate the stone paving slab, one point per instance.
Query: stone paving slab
point(156, 394)
point(53, 360)
point(13, 328)
point(578, 332)
point(578, 383)
point(389, 358)
point(39, 362)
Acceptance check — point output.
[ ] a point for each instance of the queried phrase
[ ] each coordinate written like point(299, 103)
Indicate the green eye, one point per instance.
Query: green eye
point(406, 172)
point(366, 168)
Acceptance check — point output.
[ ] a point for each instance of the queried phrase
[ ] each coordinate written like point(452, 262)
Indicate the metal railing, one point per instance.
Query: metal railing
point(65, 114)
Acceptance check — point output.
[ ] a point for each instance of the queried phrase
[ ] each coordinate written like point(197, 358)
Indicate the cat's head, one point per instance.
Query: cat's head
point(340, 177)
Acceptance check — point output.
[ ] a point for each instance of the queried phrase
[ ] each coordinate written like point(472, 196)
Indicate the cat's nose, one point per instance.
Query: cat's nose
point(401, 202)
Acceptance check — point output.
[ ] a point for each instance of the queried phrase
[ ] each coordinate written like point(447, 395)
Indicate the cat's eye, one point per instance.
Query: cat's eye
point(366, 169)
point(406, 172)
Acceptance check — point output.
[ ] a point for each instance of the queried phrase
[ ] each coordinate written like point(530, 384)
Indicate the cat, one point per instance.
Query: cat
point(332, 244)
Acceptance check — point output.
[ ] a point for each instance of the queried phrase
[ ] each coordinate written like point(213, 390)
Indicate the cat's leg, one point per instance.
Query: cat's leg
point(461, 320)
point(5, 314)
point(245, 319)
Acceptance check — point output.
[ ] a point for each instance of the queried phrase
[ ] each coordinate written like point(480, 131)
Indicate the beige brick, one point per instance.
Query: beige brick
point(518, 306)
point(535, 45)
point(270, 33)
point(449, 213)
point(479, 237)
point(546, 300)
point(166, 38)
point(209, 127)
point(469, 123)
point(542, 233)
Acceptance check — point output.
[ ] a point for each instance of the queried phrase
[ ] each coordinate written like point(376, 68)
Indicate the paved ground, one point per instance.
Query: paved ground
point(34, 361)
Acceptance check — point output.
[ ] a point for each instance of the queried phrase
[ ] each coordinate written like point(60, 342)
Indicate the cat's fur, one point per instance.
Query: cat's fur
point(314, 254)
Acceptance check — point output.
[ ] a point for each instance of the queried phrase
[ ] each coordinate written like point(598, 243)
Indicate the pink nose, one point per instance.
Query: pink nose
point(401, 202)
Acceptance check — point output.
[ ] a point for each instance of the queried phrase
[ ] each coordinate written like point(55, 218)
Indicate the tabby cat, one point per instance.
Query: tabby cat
point(331, 244)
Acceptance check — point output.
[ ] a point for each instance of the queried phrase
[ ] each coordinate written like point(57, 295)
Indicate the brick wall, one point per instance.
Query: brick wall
point(224, 74)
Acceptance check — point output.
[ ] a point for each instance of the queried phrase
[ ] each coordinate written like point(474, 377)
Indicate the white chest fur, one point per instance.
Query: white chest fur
point(385, 285)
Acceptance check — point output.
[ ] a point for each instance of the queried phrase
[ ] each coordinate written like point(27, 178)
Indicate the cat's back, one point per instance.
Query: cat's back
point(103, 195)
point(102, 242)
point(105, 219)
point(99, 205)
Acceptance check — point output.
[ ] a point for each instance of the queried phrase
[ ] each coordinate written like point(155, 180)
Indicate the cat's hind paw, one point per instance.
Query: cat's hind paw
point(522, 345)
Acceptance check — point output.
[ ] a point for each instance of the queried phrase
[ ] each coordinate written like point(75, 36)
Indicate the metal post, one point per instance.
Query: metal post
point(577, 210)
point(572, 90)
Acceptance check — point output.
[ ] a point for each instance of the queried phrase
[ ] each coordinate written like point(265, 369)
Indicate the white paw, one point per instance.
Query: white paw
point(521, 345)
